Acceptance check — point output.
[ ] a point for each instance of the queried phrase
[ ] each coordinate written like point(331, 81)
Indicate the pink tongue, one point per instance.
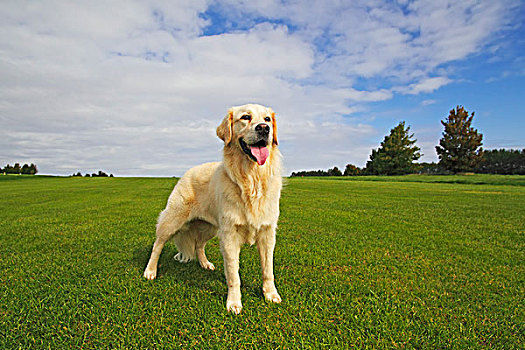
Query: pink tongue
point(261, 153)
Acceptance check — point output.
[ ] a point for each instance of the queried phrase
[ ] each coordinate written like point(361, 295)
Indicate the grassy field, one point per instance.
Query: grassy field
point(403, 262)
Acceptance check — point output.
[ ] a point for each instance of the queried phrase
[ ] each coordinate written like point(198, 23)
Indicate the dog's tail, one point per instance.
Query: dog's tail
point(185, 241)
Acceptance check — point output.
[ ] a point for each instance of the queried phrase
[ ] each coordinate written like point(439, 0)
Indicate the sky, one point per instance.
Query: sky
point(137, 88)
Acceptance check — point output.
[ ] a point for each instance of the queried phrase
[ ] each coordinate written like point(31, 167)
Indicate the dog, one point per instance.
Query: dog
point(236, 199)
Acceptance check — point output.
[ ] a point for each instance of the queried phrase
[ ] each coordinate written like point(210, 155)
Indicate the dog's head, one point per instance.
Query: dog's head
point(252, 128)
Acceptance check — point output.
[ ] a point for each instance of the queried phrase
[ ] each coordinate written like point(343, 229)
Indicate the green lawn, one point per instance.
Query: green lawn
point(392, 262)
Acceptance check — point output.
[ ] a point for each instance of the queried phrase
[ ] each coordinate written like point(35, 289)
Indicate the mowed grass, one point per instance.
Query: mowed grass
point(359, 263)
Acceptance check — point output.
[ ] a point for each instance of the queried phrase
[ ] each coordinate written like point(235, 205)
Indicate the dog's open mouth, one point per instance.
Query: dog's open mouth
point(258, 152)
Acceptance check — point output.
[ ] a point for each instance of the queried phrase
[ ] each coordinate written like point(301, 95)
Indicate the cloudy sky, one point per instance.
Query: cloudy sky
point(138, 87)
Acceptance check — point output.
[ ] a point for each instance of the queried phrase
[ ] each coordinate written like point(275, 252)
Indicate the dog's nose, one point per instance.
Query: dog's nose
point(263, 129)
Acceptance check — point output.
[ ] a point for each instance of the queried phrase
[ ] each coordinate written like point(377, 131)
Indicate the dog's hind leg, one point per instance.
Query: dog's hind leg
point(170, 221)
point(204, 232)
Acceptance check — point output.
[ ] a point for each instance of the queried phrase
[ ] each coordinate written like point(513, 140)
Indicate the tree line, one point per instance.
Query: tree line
point(459, 150)
point(32, 170)
point(99, 174)
point(20, 170)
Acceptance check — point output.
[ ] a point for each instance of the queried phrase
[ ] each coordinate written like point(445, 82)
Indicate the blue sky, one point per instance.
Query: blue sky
point(138, 87)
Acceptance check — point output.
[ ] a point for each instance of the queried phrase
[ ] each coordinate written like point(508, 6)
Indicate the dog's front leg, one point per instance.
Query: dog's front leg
point(230, 249)
point(266, 245)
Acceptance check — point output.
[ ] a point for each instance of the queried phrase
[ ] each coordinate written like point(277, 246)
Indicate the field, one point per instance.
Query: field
point(403, 262)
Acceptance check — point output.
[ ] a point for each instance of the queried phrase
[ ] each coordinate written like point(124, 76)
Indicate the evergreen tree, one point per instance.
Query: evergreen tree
point(32, 169)
point(396, 154)
point(460, 147)
point(502, 161)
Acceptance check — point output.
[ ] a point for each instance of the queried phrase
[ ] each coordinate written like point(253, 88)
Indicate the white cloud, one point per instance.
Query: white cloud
point(428, 102)
point(425, 86)
point(134, 88)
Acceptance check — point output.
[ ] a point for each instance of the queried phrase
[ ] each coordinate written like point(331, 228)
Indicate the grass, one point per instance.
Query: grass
point(473, 179)
point(401, 262)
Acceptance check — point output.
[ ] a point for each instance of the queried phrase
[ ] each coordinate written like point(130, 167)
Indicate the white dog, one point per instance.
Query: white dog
point(236, 199)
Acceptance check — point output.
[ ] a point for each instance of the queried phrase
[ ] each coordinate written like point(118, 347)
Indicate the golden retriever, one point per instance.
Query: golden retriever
point(236, 199)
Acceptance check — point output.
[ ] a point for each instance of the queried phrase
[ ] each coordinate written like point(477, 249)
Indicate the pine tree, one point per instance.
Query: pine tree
point(459, 149)
point(396, 154)
point(502, 161)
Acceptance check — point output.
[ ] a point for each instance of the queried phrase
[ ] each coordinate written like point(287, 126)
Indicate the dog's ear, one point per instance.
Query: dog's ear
point(274, 128)
point(225, 130)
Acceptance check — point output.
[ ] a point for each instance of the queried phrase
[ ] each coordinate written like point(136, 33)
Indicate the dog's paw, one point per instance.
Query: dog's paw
point(150, 274)
point(273, 297)
point(234, 307)
point(180, 258)
point(207, 265)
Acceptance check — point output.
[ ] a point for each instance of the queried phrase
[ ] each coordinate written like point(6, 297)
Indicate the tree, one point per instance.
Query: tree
point(17, 169)
point(351, 170)
point(502, 161)
point(396, 154)
point(428, 168)
point(335, 172)
point(32, 169)
point(459, 149)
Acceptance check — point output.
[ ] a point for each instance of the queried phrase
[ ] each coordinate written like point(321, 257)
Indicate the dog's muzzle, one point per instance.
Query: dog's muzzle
point(258, 152)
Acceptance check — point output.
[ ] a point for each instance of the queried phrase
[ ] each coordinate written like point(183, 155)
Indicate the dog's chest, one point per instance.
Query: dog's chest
point(262, 209)
point(250, 234)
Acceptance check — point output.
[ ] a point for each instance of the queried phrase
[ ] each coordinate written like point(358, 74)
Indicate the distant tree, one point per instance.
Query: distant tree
point(77, 174)
point(428, 168)
point(351, 170)
point(87, 175)
point(17, 169)
point(25, 169)
point(110, 175)
point(99, 174)
point(310, 173)
point(502, 161)
point(335, 172)
point(396, 154)
point(459, 149)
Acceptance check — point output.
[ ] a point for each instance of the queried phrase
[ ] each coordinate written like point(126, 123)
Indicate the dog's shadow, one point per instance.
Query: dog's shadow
point(191, 273)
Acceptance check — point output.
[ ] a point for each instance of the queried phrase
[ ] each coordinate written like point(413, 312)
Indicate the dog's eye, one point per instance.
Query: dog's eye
point(246, 117)
point(267, 119)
